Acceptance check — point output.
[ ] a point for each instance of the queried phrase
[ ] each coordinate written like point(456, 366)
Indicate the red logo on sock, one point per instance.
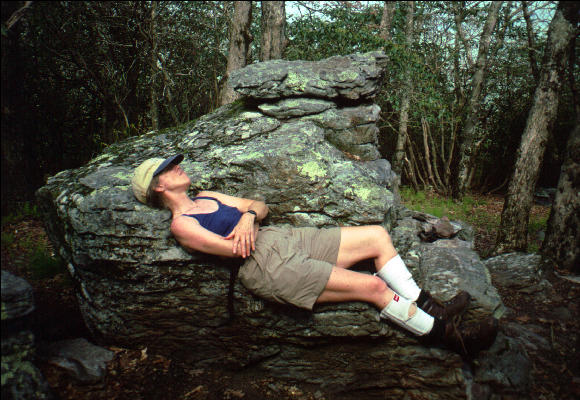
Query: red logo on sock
point(396, 298)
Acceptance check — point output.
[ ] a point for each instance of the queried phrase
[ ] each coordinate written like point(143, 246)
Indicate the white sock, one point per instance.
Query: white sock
point(398, 277)
point(397, 311)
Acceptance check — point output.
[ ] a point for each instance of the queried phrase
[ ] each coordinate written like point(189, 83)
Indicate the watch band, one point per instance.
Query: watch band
point(252, 212)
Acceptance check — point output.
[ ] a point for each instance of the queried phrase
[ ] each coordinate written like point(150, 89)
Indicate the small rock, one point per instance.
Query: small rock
point(82, 359)
point(531, 289)
point(444, 228)
point(562, 313)
point(527, 336)
point(516, 270)
point(17, 297)
point(506, 364)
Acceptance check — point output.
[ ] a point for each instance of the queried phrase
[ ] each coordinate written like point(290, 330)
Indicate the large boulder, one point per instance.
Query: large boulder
point(312, 156)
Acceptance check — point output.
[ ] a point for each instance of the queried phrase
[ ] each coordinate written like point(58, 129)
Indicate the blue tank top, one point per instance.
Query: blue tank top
point(222, 221)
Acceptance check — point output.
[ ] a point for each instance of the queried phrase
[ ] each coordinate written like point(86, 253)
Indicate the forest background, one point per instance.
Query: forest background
point(80, 76)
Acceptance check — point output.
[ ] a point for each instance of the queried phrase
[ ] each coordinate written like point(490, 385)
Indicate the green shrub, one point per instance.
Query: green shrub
point(439, 206)
point(537, 224)
point(468, 201)
point(7, 239)
point(43, 265)
point(22, 211)
point(468, 210)
point(434, 210)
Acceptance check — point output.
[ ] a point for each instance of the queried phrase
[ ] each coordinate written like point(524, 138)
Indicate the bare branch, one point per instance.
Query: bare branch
point(17, 15)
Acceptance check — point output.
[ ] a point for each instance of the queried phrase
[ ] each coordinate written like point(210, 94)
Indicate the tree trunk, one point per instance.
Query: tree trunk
point(457, 81)
point(512, 235)
point(531, 44)
point(562, 243)
point(273, 26)
point(387, 20)
point(154, 107)
point(240, 39)
point(471, 115)
point(405, 96)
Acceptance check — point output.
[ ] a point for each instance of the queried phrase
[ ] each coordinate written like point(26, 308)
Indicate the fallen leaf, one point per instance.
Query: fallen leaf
point(231, 393)
point(523, 318)
point(144, 354)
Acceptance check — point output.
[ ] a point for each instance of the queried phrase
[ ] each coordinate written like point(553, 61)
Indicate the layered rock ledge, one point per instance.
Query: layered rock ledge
point(310, 151)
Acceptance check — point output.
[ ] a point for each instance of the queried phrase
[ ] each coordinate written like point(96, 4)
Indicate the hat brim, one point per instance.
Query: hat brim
point(176, 159)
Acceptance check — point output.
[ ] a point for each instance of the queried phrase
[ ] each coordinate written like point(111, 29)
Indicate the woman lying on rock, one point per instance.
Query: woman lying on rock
point(304, 266)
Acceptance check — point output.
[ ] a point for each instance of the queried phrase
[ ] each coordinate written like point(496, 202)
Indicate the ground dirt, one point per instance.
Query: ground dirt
point(136, 374)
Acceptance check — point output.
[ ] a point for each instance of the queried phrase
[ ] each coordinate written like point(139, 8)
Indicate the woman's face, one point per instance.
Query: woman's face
point(173, 177)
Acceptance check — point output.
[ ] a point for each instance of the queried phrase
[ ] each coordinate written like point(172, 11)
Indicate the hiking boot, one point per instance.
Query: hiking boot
point(470, 339)
point(465, 340)
point(443, 310)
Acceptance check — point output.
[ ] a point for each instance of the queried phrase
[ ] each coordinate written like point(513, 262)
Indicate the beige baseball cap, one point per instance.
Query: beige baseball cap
point(145, 172)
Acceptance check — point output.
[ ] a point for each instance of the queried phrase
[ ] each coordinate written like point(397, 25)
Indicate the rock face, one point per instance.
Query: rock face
point(305, 141)
point(20, 377)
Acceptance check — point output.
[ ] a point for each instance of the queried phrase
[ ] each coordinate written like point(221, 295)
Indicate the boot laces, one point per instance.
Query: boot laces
point(455, 321)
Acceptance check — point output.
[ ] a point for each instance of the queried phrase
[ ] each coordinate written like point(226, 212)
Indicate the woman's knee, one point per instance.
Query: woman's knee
point(381, 235)
point(384, 232)
point(377, 286)
point(379, 293)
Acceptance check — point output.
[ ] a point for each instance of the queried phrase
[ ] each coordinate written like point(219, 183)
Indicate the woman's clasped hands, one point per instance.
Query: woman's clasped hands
point(244, 236)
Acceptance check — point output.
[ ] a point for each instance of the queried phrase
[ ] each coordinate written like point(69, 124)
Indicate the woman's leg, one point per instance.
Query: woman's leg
point(359, 243)
point(374, 242)
point(345, 285)
point(364, 242)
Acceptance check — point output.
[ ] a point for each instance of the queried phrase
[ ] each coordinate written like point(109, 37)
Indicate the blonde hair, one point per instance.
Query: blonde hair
point(153, 197)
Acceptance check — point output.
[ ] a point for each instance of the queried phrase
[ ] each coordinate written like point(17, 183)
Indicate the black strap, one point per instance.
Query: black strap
point(234, 269)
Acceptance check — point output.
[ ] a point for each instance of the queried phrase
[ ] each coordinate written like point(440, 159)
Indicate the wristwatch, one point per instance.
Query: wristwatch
point(252, 212)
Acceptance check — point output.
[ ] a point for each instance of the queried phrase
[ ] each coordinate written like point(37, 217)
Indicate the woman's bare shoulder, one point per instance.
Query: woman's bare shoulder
point(182, 223)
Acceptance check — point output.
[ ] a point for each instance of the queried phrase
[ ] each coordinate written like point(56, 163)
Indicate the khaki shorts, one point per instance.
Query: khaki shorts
point(291, 265)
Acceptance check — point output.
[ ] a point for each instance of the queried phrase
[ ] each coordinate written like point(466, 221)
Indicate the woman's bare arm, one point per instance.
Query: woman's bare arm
point(192, 236)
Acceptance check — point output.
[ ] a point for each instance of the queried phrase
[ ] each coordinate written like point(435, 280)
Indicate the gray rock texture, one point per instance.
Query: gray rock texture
point(309, 150)
point(17, 297)
point(351, 77)
point(506, 367)
point(21, 379)
point(80, 358)
point(515, 270)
